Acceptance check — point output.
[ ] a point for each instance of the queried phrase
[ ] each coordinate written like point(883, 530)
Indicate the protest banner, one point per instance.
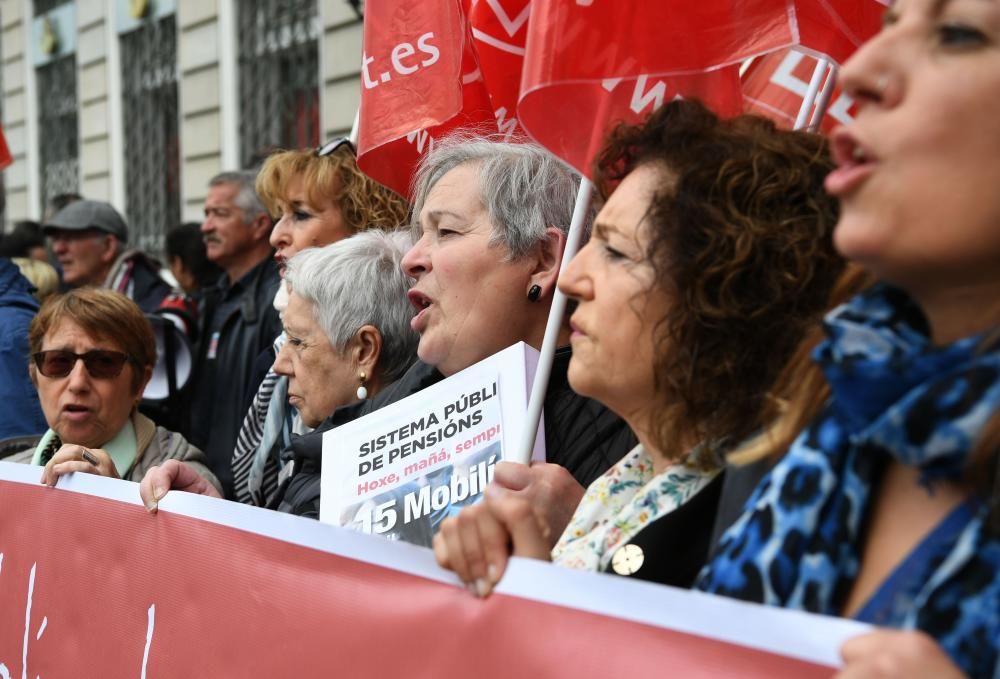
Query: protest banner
point(400, 471)
point(420, 78)
point(91, 585)
point(774, 85)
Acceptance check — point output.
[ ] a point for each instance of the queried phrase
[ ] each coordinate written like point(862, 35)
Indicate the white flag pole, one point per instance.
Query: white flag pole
point(522, 453)
point(810, 98)
point(824, 99)
point(354, 128)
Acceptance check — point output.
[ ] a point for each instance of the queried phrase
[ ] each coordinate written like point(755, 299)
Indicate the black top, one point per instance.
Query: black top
point(580, 433)
point(237, 323)
point(672, 549)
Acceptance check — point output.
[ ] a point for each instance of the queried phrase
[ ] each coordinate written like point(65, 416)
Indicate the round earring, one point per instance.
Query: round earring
point(534, 292)
point(362, 391)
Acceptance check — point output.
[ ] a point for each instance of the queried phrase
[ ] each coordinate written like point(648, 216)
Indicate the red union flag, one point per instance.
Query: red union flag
point(420, 78)
point(590, 63)
point(836, 28)
point(5, 157)
point(499, 32)
point(774, 86)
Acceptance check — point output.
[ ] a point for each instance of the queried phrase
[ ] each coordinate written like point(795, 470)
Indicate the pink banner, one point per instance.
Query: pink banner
point(94, 586)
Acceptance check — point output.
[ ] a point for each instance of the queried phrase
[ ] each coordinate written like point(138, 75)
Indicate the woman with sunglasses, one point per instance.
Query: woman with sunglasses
point(92, 353)
point(317, 198)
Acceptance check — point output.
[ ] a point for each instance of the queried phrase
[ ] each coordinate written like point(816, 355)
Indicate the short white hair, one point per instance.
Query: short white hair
point(524, 188)
point(358, 281)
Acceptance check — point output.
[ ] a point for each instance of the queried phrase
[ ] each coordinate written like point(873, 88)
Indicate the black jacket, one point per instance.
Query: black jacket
point(580, 433)
point(237, 323)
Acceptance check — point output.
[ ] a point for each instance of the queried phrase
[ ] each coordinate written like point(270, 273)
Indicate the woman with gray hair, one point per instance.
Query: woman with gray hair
point(490, 223)
point(349, 335)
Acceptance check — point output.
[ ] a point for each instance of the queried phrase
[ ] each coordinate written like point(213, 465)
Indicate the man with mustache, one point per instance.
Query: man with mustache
point(237, 321)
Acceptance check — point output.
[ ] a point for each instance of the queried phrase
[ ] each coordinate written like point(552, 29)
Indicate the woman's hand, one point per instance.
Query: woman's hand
point(550, 489)
point(73, 458)
point(172, 475)
point(477, 543)
point(889, 654)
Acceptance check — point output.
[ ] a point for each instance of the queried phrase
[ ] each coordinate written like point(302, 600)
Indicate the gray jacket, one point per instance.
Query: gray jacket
point(154, 445)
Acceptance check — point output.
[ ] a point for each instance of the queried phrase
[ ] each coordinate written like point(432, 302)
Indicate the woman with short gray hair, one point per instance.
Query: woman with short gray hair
point(347, 321)
point(348, 335)
point(490, 221)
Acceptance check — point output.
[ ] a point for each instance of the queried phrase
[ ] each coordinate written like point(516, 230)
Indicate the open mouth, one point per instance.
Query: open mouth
point(421, 303)
point(854, 163)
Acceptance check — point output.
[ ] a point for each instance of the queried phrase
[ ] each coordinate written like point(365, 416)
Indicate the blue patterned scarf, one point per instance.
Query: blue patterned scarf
point(894, 395)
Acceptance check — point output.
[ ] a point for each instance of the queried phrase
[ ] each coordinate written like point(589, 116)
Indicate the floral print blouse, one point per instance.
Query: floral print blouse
point(619, 504)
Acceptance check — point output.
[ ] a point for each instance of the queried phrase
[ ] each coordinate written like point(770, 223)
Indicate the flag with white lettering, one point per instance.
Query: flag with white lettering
point(592, 63)
point(775, 84)
point(420, 78)
point(499, 31)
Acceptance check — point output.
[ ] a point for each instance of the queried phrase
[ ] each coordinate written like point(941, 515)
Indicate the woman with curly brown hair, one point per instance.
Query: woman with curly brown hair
point(709, 258)
point(318, 198)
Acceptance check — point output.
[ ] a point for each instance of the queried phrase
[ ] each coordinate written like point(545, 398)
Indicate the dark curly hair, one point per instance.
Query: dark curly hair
point(742, 241)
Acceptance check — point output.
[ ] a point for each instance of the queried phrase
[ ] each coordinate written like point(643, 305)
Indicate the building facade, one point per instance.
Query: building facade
point(141, 102)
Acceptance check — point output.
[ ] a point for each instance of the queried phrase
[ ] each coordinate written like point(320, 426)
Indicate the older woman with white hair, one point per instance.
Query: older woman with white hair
point(349, 335)
point(491, 221)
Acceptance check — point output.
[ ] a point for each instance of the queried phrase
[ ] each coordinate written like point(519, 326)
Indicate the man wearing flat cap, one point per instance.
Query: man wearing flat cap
point(88, 238)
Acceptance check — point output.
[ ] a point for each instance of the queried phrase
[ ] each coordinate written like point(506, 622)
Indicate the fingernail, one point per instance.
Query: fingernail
point(159, 492)
point(495, 491)
point(482, 588)
point(492, 572)
point(151, 507)
point(471, 588)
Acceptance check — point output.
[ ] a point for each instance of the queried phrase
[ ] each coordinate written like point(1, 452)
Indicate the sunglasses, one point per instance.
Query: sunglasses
point(102, 364)
point(332, 146)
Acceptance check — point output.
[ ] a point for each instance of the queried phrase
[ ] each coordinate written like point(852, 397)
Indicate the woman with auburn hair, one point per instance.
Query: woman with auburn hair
point(885, 508)
point(711, 255)
point(319, 197)
point(92, 353)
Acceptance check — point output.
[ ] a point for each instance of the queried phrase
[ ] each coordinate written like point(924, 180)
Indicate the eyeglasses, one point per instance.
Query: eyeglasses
point(331, 146)
point(102, 364)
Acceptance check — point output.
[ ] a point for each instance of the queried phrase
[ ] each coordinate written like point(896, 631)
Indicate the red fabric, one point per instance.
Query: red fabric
point(5, 157)
point(591, 63)
point(235, 604)
point(774, 86)
point(836, 28)
point(499, 32)
point(420, 78)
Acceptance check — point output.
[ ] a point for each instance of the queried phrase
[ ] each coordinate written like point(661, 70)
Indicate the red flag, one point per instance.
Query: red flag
point(499, 32)
point(591, 63)
point(836, 28)
point(5, 157)
point(774, 86)
point(420, 78)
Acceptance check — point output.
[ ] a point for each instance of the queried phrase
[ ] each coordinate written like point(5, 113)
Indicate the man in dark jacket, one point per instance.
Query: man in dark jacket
point(88, 239)
point(238, 320)
point(21, 414)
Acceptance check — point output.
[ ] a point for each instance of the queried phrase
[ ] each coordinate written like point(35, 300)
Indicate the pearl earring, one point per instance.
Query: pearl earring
point(362, 391)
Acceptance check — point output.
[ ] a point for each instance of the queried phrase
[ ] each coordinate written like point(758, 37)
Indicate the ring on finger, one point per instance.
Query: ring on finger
point(89, 457)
